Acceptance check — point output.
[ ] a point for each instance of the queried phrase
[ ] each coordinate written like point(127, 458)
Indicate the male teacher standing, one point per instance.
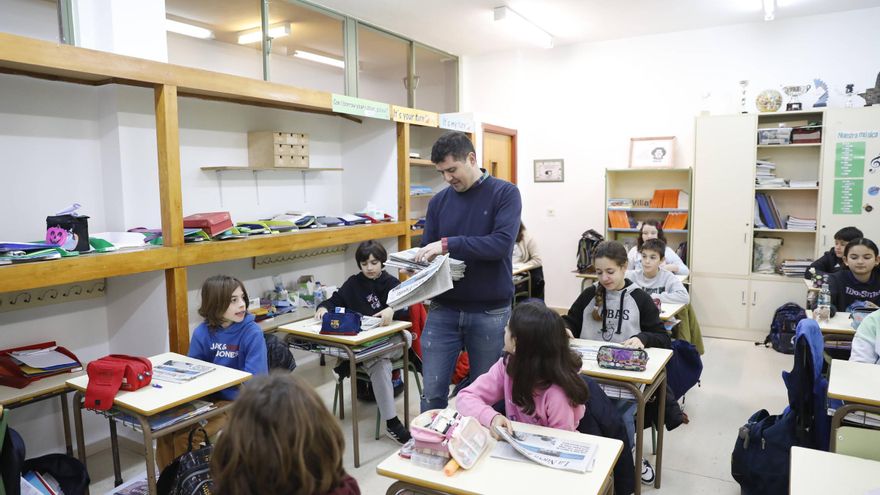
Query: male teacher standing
point(475, 220)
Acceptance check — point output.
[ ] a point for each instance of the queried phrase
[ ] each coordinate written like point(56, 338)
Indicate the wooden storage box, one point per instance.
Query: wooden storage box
point(278, 149)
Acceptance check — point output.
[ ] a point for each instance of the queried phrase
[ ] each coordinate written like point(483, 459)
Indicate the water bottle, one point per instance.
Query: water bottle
point(823, 304)
point(318, 294)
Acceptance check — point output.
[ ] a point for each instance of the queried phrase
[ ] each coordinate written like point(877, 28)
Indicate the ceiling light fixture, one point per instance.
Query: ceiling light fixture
point(523, 27)
point(769, 10)
point(321, 59)
point(256, 35)
point(188, 29)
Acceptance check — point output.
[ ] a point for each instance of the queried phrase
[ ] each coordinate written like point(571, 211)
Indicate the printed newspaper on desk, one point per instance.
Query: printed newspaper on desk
point(433, 280)
point(554, 452)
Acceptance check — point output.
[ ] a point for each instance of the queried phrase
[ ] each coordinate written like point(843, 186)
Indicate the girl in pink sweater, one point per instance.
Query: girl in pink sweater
point(538, 377)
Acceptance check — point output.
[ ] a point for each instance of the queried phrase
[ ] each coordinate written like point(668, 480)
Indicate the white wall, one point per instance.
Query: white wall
point(584, 102)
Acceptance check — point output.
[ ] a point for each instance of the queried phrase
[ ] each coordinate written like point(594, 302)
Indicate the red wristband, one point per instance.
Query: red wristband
point(444, 242)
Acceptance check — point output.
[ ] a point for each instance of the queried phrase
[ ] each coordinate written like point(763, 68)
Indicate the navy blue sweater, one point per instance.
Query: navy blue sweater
point(481, 226)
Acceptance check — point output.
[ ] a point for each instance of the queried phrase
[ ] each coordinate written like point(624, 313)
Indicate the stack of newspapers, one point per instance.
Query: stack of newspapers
point(405, 260)
point(431, 281)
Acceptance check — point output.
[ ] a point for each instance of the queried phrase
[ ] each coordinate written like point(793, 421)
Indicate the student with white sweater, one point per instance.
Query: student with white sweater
point(653, 229)
point(866, 343)
point(659, 284)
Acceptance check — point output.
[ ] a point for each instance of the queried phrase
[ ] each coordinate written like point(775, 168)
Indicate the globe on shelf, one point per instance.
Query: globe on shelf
point(769, 100)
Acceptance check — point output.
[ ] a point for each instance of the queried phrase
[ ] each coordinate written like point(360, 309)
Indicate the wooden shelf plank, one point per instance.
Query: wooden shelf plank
point(223, 168)
point(85, 267)
point(431, 195)
point(421, 162)
point(211, 252)
point(28, 56)
point(787, 188)
point(416, 232)
point(672, 231)
point(793, 231)
point(654, 210)
point(796, 145)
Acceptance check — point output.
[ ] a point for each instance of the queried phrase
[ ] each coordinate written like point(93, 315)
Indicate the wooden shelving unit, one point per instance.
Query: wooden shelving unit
point(46, 60)
point(227, 168)
point(421, 162)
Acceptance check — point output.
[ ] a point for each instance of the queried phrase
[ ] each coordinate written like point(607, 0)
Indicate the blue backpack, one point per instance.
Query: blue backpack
point(782, 328)
point(761, 455)
point(684, 368)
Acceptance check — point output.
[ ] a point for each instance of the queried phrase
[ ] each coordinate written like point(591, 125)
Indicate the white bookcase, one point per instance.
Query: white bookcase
point(730, 299)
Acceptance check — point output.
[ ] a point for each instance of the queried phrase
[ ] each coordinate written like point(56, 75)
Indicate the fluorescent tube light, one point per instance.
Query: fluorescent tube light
point(523, 27)
point(188, 29)
point(321, 59)
point(769, 10)
point(255, 36)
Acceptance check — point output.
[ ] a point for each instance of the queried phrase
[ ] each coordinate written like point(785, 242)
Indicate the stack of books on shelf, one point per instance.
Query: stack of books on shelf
point(675, 221)
point(619, 220)
point(769, 213)
point(795, 268)
point(163, 419)
point(670, 198)
point(811, 133)
point(797, 223)
point(765, 175)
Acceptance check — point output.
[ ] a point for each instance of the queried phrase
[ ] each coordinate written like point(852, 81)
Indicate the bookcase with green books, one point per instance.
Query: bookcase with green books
point(633, 196)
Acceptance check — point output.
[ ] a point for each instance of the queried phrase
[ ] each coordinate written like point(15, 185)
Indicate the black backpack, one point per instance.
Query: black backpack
point(189, 474)
point(278, 354)
point(782, 328)
point(586, 251)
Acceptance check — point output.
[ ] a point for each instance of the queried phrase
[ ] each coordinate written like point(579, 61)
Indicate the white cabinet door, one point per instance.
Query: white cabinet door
point(723, 203)
point(720, 302)
point(842, 128)
point(766, 296)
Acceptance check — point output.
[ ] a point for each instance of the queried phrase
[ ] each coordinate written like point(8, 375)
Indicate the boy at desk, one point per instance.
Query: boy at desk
point(367, 294)
point(659, 284)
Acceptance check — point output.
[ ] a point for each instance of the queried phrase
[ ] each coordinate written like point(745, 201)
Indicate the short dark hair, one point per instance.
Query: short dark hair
point(367, 248)
point(454, 143)
point(655, 245)
point(216, 296)
point(848, 234)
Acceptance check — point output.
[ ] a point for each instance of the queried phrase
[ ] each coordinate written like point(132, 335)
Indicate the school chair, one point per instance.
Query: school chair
point(338, 394)
point(858, 442)
point(523, 285)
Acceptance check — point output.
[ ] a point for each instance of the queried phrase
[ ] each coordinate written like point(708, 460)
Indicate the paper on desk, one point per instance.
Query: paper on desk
point(42, 359)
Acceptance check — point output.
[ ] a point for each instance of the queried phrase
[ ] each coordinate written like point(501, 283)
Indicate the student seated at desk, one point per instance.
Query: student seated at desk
point(660, 284)
point(367, 293)
point(832, 261)
point(866, 342)
point(525, 255)
point(538, 377)
point(652, 229)
point(228, 337)
point(860, 281)
point(616, 310)
point(280, 440)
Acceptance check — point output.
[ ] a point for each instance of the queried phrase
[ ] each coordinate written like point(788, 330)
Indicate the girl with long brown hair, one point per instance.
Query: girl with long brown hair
point(280, 440)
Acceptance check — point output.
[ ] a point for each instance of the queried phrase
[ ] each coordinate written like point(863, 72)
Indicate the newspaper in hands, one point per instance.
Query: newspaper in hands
point(432, 281)
point(554, 452)
point(406, 260)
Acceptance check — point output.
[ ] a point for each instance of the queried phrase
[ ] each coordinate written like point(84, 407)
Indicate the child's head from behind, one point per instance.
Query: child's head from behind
point(280, 439)
point(653, 253)
point(611, 264)
point(860, 256)
point(224, 301)
point(650, 229)
point(540, 355)
point(371, 257)
point(843, 237)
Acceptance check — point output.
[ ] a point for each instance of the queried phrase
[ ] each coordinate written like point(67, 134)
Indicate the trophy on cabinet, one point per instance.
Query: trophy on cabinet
point(794, 92)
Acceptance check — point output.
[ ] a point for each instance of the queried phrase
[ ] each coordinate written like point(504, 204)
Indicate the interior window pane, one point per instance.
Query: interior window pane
point(436, 76)
point(381, 66)
point(31, 18)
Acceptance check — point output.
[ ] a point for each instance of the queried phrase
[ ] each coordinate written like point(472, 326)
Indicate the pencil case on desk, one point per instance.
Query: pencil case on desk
point(622, 358)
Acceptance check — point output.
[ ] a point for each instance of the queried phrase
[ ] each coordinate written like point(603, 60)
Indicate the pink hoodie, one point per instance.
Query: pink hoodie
point(552, 408)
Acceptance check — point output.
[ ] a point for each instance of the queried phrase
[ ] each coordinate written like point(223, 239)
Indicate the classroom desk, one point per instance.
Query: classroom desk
point(308, 330)
point(815, 472)
point(522, 273)
point(669, 310)
point(839, 324)
point(272, 324)
point(856, 383)
point(588, 277)
point(493, 475)
point(810, 288)
point(51, 386)
point(149, 401)
point(653, 379)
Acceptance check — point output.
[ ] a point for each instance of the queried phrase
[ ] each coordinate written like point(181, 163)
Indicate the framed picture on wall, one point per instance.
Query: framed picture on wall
point(652, 152)
point(550, 170)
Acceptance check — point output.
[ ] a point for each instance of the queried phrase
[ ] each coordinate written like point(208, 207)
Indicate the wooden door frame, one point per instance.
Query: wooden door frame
point(504, 131)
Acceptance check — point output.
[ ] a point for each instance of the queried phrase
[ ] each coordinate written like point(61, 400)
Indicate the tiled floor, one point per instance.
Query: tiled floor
point(738, 379)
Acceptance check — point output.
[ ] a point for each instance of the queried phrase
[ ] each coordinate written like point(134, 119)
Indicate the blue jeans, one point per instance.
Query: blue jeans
point(446, 332)
point(627, 409)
